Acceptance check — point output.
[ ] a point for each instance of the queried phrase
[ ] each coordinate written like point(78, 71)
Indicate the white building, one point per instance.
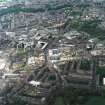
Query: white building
point(31, 61)
point(34, 83)
point(54, 55)
point(103, 81)
point(42, 44)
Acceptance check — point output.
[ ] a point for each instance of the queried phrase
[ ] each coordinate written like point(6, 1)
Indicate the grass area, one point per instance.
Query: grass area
point(21, 53)
point(80, 100)
point(30, 91)
point(71, 96)
point(19, 9)
point(85, 65)
point(20, 50)
point(101, 71)
point(16, 9)
point(3, 0)
point(16, 101)
point(59, 101)
point(96, 101)
point(90, 27)
point(49, 6)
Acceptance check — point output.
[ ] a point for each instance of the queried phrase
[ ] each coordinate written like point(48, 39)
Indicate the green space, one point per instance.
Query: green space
point(96, 101)
point(16, 101)
point(59, 101)
point(101, 70)
point(21, 52)
point(4, 0)
point(90, 27)
point(29, 91)
point(79, 97)
point(85, 64)
point(17, 9)
point(22, 55)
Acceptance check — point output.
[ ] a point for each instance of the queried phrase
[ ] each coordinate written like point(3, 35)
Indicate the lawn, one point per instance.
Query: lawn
point(92, 100)
point(101, 71)
point(97, 100)
point(59, 101)
point(70, 96)
point(90, 27)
